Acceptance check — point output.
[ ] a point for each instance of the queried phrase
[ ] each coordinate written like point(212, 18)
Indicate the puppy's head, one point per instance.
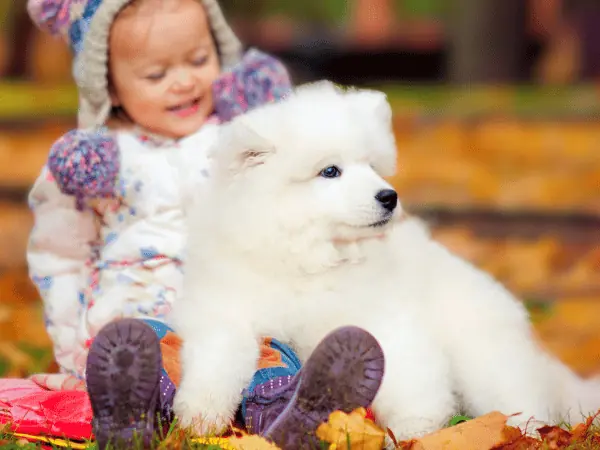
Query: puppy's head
point(306, 171)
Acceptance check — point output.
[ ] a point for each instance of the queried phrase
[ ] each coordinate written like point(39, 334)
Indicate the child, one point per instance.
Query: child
point(155, 79)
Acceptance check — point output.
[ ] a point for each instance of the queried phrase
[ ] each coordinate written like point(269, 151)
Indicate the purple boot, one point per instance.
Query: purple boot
point(123, 380)
point(343, 373)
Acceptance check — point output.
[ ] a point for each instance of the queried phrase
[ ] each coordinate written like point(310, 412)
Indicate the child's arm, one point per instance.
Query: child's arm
point(64, 231)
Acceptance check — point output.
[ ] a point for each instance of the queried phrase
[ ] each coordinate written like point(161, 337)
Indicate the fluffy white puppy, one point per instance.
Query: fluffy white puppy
point(299, 234)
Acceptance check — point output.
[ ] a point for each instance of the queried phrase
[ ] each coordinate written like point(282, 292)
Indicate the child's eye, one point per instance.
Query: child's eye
point(199, 61)
point(157, 76)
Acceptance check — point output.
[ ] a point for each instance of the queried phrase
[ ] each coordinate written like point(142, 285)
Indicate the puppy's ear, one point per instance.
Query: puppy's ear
point(374, 113)
point(249, 158)
point(246, 148)
point(373, 103)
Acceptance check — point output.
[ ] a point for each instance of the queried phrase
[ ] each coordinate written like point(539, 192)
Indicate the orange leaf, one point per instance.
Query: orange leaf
point(555, 437)
point(514, 439)
point(583, 429)
point(481, 433)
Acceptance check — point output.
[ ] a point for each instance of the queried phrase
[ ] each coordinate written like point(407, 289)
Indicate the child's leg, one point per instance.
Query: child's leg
point(123, 376)
point(281, 402)
point(343, 373)
point(133, 371)
point(272, 386)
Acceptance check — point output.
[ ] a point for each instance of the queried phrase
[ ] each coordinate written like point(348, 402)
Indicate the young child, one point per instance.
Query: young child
point(107, 252)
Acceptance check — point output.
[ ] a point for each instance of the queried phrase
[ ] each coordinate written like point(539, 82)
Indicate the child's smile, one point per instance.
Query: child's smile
point(186, 109)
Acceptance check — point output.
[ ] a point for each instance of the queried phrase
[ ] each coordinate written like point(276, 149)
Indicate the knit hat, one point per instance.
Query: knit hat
point(85, 25)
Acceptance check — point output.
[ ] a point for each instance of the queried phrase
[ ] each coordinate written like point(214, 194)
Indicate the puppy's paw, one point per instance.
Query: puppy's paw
point(200, 412)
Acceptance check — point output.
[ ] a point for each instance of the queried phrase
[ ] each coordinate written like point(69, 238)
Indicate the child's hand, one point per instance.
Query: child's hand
point(85, 164)
point(257, 79)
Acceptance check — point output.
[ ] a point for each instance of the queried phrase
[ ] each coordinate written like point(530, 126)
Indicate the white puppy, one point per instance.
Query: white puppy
point(300, 234)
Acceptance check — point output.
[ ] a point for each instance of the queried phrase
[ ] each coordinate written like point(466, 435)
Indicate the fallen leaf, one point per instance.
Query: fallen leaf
point(481, 433)
point(580, 432)
point(514, 439)
point(351, 431)
point(555, 437)
point(251, 442)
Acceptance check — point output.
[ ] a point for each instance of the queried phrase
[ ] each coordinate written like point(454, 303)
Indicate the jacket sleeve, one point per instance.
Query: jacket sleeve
point(257, 79)
point(59, 246)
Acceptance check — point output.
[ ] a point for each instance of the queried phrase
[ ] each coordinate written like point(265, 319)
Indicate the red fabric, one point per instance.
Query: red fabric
point(31, 409)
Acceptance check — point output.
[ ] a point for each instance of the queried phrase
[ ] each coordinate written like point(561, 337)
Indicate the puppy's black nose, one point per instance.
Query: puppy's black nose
point(388, 199)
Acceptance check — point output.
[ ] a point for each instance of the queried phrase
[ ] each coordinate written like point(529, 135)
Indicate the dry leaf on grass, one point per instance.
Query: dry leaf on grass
point(251, 442)
point(481, 433)
point(514, 439)
point(354, 429)
point(554, 437)
point(551, 438)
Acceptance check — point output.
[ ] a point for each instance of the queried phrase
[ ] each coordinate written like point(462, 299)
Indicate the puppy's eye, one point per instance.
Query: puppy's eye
point(330, 172)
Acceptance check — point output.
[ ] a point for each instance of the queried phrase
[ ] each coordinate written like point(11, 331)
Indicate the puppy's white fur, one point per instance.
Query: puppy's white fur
point(277, 250)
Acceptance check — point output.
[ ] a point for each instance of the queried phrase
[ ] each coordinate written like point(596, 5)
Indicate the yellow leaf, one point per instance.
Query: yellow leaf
point(353, 429)
point(221, 442)
point(251, 442)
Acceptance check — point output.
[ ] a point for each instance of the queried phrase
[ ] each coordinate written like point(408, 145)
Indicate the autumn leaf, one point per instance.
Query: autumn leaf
point(251, 442)
point(552, 437)
point(555, 437)
point(481, 433)
point(581, 431)
point(351, 431)
point(514, 439)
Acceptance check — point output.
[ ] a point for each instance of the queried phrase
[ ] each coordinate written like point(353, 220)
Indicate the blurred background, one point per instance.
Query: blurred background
point(496, 106)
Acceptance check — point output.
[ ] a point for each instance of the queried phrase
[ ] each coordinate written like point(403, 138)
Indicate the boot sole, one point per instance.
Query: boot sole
point(123, 378)
point(343, 373)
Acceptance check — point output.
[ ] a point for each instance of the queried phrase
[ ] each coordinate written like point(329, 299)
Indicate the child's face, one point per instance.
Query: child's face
point(162, 64)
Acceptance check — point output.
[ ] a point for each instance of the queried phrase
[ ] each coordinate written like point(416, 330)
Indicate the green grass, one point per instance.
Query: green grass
point(169, 441)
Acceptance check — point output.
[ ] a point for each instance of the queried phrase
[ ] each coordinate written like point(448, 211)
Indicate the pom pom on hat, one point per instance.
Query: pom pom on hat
point(257, 79)
point(52, 16)
point(85, 164)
